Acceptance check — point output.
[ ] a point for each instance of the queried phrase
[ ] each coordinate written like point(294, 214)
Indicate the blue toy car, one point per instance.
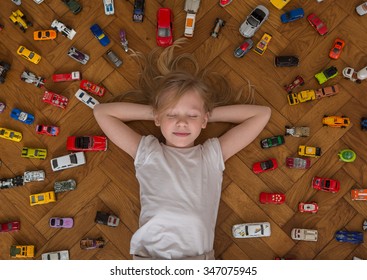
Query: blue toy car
point(292, 15)
point(364, 123)
point(21, 116)
point(98, 33)
point(354, 237)
point(138, 13)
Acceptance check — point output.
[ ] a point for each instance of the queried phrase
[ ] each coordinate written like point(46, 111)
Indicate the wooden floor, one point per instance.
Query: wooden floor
point(107, 181)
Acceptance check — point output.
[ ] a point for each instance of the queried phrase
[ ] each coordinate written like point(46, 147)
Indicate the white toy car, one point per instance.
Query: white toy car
point(109, 8)
point(86, 98)
point(31, 78)
point(32, 176)
point(78, 55)
point(362, 9)
point(250, 230)
point(253, 22)
point(68, 161)
point(65, 30)
point(351, 74)
point(190, 25)
point(304, 234)
point(58, 255)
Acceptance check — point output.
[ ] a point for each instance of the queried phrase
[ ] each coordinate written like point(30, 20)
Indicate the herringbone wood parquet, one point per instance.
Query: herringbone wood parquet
point(107, 181)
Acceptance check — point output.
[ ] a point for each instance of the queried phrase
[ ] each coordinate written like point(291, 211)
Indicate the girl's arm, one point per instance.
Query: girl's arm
point(111, 117)
point(250, 120)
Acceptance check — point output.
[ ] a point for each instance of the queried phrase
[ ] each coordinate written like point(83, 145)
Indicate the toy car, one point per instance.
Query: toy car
point(298, 163)
point(250, 230)
point(10, 226)
point(57, 222)
point(292, 15)
point(224, 3)
point(364, 123)
point(354, 237)
point(78, 55)
point(354, 76)
point(63, 186)
point(22, 251)
point(38, 1)
point(138, 12)
point(347, 155)
point(164, 32)
point(337, 48)
point(99, 34)
point(87, 244)
point(86, 143)
point(28, 55)
point(190, 25)
point(301, 97)
point(362, 9)
point(73, 76)
point(49, 130)
point(298, 81)
point(310, 207)
point(219, 23)
point(106, 219)
point(86, 98)
point(279, 4)
point(2, 107)
point(58, 255)
point(34, 176)
point(42, 198)
point(68, 161)
point(123, 40)
point(364, 226)
point(4, 68)
point(325, 184)
point(317, 24)
point(358, 194)
point(31, 78)
point(244, 48)
point(327, 74)
point(336, 121)
point(327, 91)
point(92, 88)
point(42, 35)
point(265, 165)
point(262, 45)
point(304, 234)
point(65, 30)
point(20, 19)
point(109, 8)
point(253, 22)
point(297, 131)
point(113, 58)
point(309, 151)
point(17, 2)
point(21, 116)
point(55, 99)
point(34, 153)
point(286, 61)
point(272, 142)
point(272, 198)
point(73, 6)
point(10, 134)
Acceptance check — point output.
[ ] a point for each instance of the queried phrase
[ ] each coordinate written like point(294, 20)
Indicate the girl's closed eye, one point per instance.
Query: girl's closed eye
point(171, 115)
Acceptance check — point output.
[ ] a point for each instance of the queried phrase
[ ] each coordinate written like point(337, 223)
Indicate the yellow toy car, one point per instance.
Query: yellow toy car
point(262, 45)
point(34, 153)
point(42, 198)
point(29, 55)
point(335, 121)
point(22, 251)
point(300, 97)
point(279, 4)
point(10, 134)
point(41, 35)
point(309, 151)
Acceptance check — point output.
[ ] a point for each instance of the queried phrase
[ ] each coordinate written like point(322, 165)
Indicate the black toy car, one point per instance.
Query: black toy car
point(107, 219)
point(364, 123)
point(218, 24)
point(4, 67)
point(138, 13)
point(286, 61)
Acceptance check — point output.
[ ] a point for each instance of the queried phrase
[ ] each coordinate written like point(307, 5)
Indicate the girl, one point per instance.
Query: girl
point(180, 182)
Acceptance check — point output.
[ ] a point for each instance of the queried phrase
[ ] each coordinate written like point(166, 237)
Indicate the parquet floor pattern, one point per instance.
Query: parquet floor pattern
point(107, 181)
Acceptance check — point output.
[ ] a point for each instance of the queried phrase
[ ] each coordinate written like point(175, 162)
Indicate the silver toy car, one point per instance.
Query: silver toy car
point(253, 22)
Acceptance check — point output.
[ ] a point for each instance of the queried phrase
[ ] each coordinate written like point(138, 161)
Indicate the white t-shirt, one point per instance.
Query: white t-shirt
point(179, 191)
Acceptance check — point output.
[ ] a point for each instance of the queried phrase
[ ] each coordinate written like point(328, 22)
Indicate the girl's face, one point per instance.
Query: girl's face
point(182, 123)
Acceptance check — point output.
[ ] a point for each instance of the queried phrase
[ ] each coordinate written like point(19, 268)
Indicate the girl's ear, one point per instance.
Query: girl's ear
point(156, 120)
point(205, 120)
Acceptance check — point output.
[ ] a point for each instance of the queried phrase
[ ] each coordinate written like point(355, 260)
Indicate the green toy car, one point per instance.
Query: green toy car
point(327, 74)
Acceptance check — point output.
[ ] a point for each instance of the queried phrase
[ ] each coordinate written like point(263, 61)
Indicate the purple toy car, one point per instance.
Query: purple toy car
point(56, 222)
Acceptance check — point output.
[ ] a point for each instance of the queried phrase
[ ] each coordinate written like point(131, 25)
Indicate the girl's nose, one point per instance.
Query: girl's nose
point(182, 121)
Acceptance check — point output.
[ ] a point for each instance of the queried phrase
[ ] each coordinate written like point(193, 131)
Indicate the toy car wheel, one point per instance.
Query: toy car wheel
point(343, 127)
point(6, 66)
point(358, 81)
point(2, 80)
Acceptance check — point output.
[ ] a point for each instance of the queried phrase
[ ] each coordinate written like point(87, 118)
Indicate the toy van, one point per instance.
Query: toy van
point(22, 251)
point(358, 194)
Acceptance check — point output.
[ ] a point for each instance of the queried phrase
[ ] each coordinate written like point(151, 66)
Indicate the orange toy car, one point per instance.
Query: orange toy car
point(336, 50)
point(42, 35)
point(336, 121)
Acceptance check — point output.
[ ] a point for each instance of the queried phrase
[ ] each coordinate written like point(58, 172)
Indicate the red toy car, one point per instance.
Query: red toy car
point(47, 130)
point(10, 226)
point(298, 81)
point(86, 143)
point(55, 99)
point(308, 207)
point(336, 50)
point(265, 165)
point(299, 163)
point(164, 27)
point(317, 23)
point(272, 198)
point(325, 184)
point(92, 88)
point(73, 76)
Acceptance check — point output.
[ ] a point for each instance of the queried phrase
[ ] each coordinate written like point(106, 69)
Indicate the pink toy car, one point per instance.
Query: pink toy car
point(308, 207)
point(272, 198)
point(56, 222)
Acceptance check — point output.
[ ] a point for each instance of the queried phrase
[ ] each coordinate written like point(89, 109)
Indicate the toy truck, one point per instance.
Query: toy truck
point(297, 131)
point(300, 97)
point(309, 151)
point(73, 76)
point(20, 19)
point(358, 194)
point(191, 8)
point(22, 251)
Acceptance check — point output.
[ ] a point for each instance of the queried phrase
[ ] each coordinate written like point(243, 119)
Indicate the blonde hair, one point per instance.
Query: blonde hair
point(165, 77)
